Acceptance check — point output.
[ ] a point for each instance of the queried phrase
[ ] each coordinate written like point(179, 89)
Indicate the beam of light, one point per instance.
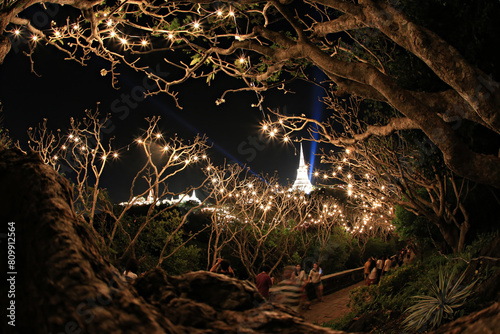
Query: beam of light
point(174, 114)
point(317, 109)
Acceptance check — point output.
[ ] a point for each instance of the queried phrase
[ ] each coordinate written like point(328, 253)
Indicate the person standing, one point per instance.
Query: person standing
point(300, 274)
point(387, 265)
point(372, 276)
point(315, 279)
point(288, 291)
point(366, 271)
point(380, 268)
point(263, 282)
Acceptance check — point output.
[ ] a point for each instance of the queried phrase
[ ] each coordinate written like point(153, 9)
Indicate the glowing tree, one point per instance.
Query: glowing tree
point(84, 153)
point(356, 44)
point(262, 222)
point(378, 173)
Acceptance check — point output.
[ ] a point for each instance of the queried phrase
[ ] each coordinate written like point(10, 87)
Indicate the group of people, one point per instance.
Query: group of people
point(291, 288)
point(376, 268)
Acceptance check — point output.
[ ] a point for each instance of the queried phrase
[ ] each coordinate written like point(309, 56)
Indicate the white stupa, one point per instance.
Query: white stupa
point(302, 182)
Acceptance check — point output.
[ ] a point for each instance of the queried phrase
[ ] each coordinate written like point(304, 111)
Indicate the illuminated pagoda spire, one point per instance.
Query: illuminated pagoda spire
point(302, 182)
point(151, 197)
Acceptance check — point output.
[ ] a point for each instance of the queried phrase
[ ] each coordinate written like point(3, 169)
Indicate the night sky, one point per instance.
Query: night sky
point(65, 89)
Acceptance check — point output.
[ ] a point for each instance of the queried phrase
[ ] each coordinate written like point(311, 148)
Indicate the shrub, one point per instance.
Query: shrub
point(446, 297)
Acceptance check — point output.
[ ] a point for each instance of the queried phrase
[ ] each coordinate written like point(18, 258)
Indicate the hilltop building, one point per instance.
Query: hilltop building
point(182, 198)
point(302, 182)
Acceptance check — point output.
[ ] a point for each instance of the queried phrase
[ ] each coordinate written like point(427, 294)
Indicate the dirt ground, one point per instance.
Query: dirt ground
point(333, 306)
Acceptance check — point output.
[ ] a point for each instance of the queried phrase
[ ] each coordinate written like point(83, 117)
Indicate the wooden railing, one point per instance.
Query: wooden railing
point(340, 280)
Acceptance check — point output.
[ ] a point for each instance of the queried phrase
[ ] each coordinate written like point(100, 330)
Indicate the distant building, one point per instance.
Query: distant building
point(302, 182)
point(182, 198)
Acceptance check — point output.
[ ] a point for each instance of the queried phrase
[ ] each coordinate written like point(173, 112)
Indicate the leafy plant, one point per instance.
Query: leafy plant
point(446, 297)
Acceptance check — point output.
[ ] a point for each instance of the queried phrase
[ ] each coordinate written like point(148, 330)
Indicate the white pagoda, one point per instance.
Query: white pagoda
point(302, 182)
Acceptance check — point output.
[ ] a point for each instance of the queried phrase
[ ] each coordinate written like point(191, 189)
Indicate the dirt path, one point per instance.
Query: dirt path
point(333, 306)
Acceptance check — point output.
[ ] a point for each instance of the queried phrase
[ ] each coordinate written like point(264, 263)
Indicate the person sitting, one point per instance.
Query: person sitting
point(222, 267)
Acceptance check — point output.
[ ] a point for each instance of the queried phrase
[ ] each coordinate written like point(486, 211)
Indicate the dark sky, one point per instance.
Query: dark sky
point(65, 89)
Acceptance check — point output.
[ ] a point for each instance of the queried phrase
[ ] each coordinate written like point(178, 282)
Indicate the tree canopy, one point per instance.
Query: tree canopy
point(356, 44)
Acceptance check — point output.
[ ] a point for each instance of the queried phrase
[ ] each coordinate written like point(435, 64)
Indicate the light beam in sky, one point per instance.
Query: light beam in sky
point(317, 109)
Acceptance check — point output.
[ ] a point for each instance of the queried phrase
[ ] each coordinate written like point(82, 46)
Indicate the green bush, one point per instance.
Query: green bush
point(446, 297)
point(340, 323)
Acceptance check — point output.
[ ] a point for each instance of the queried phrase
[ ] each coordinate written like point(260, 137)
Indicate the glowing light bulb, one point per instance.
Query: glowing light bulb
point(242, 60)
point(109, 23)
point(144, 42)
point(286, 139)
point(115, 155)
point(219, 12)
point(112, 34)
point(17, 32)
point(76, 27)
point(34, 37)
point(63, 147)
point(57, 33)
point(196, 25)
point(158, 135)
point(56, 157)
point(123, 40)
point(170, 35)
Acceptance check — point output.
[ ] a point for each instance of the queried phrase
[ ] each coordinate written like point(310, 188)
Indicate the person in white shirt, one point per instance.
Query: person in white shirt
point(387, 265)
